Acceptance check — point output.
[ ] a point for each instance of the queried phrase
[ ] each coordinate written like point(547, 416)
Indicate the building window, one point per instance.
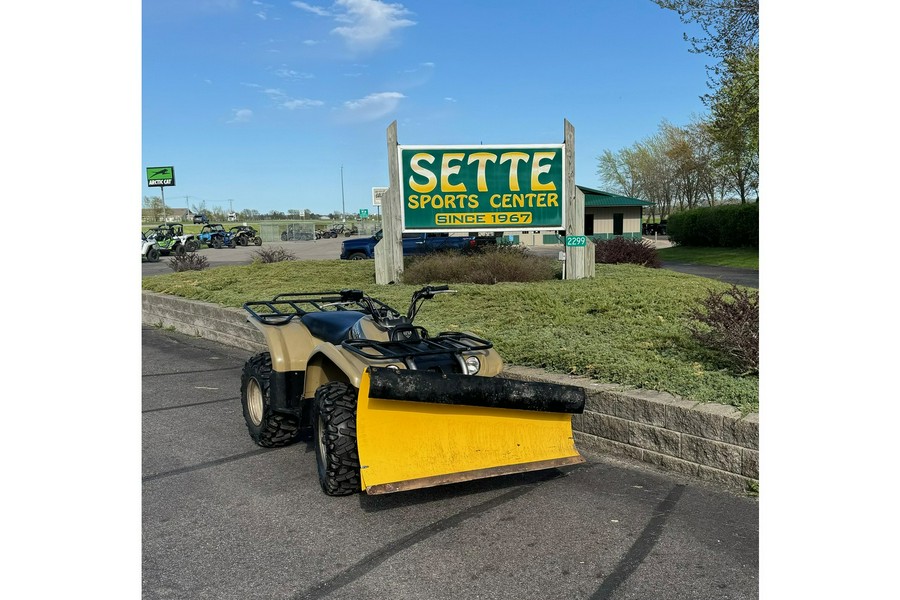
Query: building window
point(588, 223)
point(618, 223)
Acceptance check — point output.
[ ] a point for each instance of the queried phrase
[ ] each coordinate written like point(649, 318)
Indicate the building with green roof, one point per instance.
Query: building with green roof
point(609, 215)
point(605, 216)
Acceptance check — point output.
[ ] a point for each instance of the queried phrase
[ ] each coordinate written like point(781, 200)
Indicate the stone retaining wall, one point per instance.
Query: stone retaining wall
point(713, 442)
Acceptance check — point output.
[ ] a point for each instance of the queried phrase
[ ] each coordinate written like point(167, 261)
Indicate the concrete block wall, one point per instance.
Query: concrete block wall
point(712, 442)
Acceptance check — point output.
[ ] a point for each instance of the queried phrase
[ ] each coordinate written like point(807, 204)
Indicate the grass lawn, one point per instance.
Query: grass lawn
point(625, 326)
point(744, 258)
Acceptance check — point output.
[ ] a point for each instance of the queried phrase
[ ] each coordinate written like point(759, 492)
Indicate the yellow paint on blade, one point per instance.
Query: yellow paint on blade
point(399, 441)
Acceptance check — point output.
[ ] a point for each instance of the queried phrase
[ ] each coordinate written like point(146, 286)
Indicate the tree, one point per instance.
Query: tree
point(156, 206)
point(729, 28)
point(735, 122)
point(620, 171)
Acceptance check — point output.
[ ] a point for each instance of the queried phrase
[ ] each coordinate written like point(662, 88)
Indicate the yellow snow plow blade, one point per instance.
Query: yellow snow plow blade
point(418, 429)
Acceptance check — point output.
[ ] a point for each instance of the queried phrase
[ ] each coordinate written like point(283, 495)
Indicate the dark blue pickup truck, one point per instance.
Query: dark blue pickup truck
point(415, 244)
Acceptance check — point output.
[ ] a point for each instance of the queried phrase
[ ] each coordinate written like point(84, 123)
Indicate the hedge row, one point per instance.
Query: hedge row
point(726, 226)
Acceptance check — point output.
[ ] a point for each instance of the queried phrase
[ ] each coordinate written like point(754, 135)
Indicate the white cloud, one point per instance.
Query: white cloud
point(310, 42)
point(365, 24)
point(369, 23)
point(373, 106)
point(316, 10)
point(241, 115)
point(285, 101)
point(261, 14)
point(295, 103)
point(286, 73)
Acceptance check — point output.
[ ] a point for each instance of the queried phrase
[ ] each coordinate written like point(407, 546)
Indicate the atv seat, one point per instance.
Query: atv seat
point(331, 326)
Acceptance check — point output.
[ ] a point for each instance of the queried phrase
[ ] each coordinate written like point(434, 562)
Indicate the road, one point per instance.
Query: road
point(223, 518)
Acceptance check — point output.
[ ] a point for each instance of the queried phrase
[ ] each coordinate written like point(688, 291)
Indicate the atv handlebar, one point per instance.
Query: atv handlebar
point(426, 293)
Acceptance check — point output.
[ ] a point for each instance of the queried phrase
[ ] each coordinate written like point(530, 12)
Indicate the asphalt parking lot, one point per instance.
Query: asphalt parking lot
point(223, 518)
point(244, 255)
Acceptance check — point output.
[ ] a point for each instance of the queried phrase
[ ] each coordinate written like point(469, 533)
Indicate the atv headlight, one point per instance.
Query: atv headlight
point(473, 365)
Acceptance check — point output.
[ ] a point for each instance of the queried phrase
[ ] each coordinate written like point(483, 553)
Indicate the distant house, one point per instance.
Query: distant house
point(169, 215)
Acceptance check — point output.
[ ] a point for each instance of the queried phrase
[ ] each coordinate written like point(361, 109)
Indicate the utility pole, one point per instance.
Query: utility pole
point(343, 210)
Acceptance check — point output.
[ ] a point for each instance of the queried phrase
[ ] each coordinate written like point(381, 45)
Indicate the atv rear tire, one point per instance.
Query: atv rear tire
point(216, 243)
point(334, 425)
point(152, 255)
point(267, 428)
point(257, 241)
point(192, 245)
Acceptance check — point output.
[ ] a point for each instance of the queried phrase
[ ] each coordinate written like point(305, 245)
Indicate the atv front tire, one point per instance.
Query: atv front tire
point(334, 424)
point(267, 428)
point(257, 241)
point(216, 243)
point(192, 245)
point(179, 250)
point(152, 255)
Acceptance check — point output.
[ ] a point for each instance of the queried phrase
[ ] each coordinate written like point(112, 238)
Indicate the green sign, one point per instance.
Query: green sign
point(160, 176)
point(576, 240)
point(482, 188)
point(363, 213)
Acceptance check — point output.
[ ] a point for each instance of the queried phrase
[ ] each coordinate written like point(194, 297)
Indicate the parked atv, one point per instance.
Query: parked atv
point(171, 239)
point(390, 407)
point(244, 235)
point(149, 249)
point(296, 233)
point(214, 235)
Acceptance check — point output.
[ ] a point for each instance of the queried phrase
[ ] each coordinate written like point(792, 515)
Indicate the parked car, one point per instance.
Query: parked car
point(654, 228)
point(201, 219)
point(415, 244)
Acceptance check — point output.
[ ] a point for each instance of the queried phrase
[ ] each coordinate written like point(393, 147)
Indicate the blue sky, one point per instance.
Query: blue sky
point(273, 105)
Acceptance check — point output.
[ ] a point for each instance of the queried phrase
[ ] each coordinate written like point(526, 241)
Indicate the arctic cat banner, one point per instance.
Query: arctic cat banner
point(160, 176)
point(482, 188)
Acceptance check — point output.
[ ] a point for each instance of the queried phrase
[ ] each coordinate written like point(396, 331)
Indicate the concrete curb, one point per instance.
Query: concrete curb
point(712, 442)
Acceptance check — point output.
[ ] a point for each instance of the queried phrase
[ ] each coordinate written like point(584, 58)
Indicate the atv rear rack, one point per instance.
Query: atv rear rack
point(447, 342)
point(284, 307)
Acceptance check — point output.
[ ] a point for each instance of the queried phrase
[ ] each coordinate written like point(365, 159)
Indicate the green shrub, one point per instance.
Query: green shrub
point(492, 265)
point(273, 255)
point(188, 262)
point(727, 323)
point(620, 250)
point(725, 226)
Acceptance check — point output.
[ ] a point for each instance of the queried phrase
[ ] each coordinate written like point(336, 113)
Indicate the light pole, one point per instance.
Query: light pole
point(343, 211)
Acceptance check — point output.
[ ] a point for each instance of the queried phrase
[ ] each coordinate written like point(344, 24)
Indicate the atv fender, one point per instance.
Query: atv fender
point(327, 363)
point(289, 345)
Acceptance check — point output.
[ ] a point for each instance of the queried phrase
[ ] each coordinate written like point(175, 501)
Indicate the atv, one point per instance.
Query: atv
point(244, 235)
point(390, 407)
point(214, 235)
point(171, 239)
point(296, 233)
point(149, 249)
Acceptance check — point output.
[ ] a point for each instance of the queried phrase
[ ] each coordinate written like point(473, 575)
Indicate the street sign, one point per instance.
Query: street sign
point(160, 176)
point(576, 240)
point(377, 195)
point(363, 213)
